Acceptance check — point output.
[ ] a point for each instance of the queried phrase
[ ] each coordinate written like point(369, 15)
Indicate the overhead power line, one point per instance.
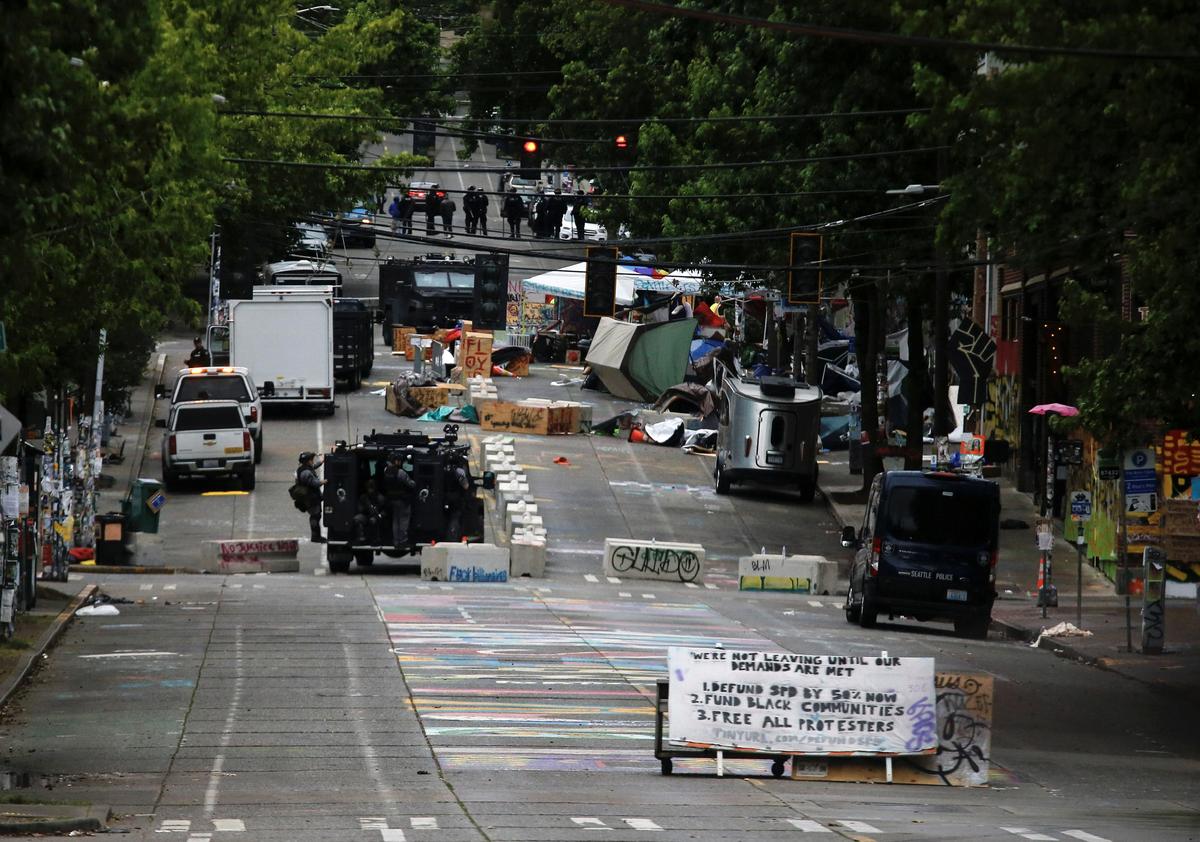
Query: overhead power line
point(632, 168)
point(869, 37)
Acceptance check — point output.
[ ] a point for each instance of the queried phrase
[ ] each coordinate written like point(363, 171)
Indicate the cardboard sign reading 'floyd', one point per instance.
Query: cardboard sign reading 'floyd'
point(807, 704)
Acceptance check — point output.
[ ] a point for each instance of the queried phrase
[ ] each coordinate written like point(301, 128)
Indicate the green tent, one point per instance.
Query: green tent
point(639, 362)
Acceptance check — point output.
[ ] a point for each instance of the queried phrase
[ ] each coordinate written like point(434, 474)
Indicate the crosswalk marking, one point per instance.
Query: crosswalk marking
point(145, 587)
point(235, 586)
point(590, 823)
point(808, 826)
point(200, 837)
point(859, 827)
point(174, 826)
point(1026, 833)
point(392, 834)
point(591, 577)
point(641, 824)
point(372, 823)
point(1084, 836)
point(815, 603)
point(445, 587)
point(259, 587)
point(613, 580)
point(423, 587)
point(649, 596)
point(424, 822)
point(229, 825)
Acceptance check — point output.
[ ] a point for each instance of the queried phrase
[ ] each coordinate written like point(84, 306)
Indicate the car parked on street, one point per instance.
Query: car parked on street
point(354, 228)
point(220, 383)
point(927, 549)
point(206, 438)
point(419, 192)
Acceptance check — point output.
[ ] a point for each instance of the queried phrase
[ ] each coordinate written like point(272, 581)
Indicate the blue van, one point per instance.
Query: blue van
point(927, 550)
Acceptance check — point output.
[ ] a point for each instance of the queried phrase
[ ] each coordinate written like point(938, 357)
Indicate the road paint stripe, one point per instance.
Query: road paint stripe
point(223, 493)
point(710, 586)
point(1084, 835)
point(613, 580)
point(384, 793)
point(808, 826)
point(229, 825)
point(174, 826)
point(236, 586)
point(170, 587)
point(392, 834)
point(1026, 833)
point(218, 768)
point(649, 596)
point(624, 593)
point(641, 824)
point(691, 585)
point(859, 827)
point(424, 822)
point(445, 588)
point(200, 837)
point(372, 823)
point(815, 603)
point(591, 577)
point(321, 571)
point(590, 823)
point(145, 587)
point(150, 654)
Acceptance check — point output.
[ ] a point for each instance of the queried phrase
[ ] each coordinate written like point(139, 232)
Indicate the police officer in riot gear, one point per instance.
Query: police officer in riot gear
point(306, 475)
point(400, 489)
point(457, 490)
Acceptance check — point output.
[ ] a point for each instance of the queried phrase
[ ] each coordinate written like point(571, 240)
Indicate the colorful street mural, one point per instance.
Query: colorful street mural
point(1002, 411)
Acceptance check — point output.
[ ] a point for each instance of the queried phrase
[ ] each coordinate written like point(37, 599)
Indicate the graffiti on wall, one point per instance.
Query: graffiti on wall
point(1003, 410)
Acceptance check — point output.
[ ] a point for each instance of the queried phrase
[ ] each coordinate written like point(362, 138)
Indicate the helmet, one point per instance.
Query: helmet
point(306, 455)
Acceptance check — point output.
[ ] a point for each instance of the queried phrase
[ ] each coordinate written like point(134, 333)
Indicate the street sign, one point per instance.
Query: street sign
point(1141, 504)
point(1140, 485)
point(1141, 458)
point(10, 425)
point(1108, 472)
point(1081, 505)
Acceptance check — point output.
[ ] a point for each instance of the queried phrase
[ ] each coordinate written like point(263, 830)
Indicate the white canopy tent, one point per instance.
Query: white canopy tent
point(568, 282)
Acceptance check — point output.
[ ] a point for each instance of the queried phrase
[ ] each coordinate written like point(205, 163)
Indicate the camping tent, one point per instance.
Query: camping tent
point(639, 362)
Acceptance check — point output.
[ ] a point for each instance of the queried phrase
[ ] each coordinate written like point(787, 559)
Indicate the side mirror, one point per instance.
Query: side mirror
point(489, 480)
point(849, 537)
point(268, 389)
point(160, 422)
point(160, 391)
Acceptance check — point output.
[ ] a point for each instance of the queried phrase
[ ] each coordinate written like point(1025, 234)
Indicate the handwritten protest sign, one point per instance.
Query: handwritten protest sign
point(476, 355)
point(809, 704)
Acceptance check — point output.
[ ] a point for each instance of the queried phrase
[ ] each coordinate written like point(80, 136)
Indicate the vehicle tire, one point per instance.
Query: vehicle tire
point(364, 558)
point(331, 409)
point(248, 480)
point(171, 481)
point(853, 612)
point(338, 561)
point(868, 609)
point(973, 627)
point(778, 765)
point(258, 444)
point(720, 479)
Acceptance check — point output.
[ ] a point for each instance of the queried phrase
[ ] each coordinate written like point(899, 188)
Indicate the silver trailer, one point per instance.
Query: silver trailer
point(768, 430)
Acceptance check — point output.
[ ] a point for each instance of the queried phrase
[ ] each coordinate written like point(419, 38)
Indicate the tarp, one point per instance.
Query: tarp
point(639, 362)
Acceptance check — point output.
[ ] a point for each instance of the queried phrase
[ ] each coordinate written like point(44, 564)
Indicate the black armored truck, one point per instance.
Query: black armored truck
point(360, 497)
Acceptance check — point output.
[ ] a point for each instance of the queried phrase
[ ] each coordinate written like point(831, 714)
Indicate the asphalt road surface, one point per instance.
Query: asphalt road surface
point(379, 707)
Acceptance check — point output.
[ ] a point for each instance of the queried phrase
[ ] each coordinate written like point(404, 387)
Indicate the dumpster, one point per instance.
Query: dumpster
point(110, 538)
point(143, 504)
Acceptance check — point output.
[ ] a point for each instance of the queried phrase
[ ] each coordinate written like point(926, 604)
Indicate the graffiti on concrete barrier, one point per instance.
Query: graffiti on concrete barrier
point(475, 573)
point(964, 724)
point(793, 584)
point(661, 561)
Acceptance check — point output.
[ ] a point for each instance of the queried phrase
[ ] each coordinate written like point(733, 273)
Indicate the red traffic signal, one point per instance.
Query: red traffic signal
point(621, 141)
point(529, 146)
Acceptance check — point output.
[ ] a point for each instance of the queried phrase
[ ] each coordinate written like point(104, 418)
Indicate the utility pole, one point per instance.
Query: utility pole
point(214, 279)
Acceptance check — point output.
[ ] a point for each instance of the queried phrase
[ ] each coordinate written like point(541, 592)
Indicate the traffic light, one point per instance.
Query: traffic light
point(531, 159)
point(624, 144)
point(805, 273)
point(600, 281)
point(491, 291)
point(621, 142)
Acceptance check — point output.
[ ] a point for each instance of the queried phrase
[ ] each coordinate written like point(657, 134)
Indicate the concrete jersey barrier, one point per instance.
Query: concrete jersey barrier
point(796, 573)
point(665, 561)
point(251, 555)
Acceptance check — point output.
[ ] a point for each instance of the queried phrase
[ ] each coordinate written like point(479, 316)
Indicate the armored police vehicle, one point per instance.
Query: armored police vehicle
point(358, 509)
point(426, 292)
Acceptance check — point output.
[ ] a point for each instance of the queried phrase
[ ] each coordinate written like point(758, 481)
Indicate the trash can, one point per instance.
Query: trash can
point(143, 504)
point(110, 538)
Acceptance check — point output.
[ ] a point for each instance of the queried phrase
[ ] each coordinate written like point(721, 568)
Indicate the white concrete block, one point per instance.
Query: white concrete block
point(465, 563)
point(511, 492)
point(527, 557)
point(251, 555)
point(666, 561)
point(434, 562)
point(796, 573)
point(528, 532)
point(519, 507)
point(527, 520)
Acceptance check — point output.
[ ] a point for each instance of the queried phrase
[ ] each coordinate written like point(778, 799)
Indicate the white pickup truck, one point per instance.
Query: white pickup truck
point(207, 438)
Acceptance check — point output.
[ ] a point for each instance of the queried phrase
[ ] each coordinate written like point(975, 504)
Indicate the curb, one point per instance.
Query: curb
point(131, 568)
point(26, 661)
point(58, 826)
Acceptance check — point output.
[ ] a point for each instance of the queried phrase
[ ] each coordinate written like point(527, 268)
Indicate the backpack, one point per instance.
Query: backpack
point(299, 495)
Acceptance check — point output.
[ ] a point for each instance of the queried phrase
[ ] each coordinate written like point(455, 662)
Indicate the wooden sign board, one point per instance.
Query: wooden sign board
point(538, 420)
point(475, 355)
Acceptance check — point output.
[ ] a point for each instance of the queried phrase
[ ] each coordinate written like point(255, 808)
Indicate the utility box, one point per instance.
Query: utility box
point(110, 538)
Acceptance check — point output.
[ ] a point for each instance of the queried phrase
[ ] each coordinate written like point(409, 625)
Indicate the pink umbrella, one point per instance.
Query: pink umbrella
point(1058, 408)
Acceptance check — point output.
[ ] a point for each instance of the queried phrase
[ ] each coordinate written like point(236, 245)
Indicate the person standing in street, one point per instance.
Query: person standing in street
point(306, 475)
point(469, 210)
point(513, 211)
point(579, 212)
point(457, 490)
point(398, 488)
point(556, 209)
point(394, 213)
point(407, 206)
point(481, 211)
point(199, 356)
point(447, 210)
point(432, 209)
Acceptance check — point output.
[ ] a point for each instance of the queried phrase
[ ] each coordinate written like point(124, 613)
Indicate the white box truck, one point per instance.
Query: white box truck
point(284, 336)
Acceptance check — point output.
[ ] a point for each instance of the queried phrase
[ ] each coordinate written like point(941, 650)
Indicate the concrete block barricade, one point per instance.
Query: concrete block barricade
point(512, 492)
point(514, 514)
point(527, 554)
point(812, 574)
point(663, 560)
point(251, 555)
point(465, 563)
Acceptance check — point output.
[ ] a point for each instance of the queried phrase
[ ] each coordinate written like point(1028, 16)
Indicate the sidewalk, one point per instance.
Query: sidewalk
point(1016, 613)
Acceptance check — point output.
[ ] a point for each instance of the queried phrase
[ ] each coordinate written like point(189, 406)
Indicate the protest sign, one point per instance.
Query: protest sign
point(778, 702)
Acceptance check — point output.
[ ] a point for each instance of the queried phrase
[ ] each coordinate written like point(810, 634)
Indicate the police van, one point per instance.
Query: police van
point(441, 509)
